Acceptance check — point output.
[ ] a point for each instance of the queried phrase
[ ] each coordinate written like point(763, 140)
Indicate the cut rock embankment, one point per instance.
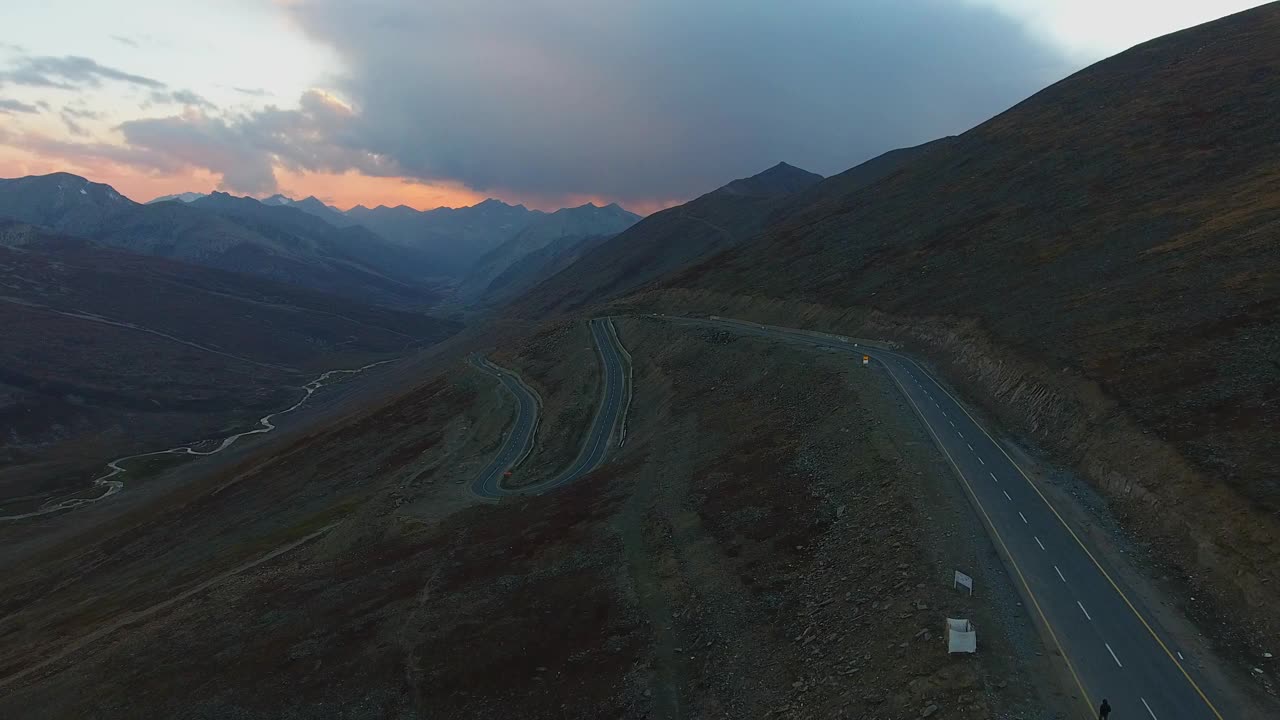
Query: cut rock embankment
point(1222, 545)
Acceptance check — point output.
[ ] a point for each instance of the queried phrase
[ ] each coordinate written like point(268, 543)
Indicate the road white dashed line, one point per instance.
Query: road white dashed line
point(984, 462)
point(1006, 496)
point(1038, 542)
point(1086, 617)
point(1024, 518)
point(1060, 576)
point(1148, 707)
point(952, 424)
point(993, 476)
point(970, 447)
point(961, 436)
point(1113, 655)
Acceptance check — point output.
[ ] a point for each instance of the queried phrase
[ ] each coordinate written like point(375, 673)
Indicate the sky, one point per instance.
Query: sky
point(549, 103)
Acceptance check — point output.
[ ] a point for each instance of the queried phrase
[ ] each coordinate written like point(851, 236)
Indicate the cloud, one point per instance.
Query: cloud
point(125, 41)
point(79, 152)
point(73, 127)
point(316, 137)
point(181, 97)
point(82, 113)
point(664, 98)
point(635, 102)
point(254, 92)
point(16, 106)
point(69, 73)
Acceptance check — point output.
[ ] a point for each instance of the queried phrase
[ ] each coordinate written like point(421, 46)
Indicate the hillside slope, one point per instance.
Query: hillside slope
point(560, 231)
point(667, 241)
point(1102, 264)
point(106, 352)
point(453, 237)
point(301, 228)
point(221, 232)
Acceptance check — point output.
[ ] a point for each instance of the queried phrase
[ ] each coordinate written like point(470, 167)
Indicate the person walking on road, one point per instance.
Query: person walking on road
point(1104, 710)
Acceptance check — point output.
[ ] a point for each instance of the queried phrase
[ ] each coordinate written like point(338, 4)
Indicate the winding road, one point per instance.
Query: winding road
point(112, 486)
point(519, 442)
point(1111, 646)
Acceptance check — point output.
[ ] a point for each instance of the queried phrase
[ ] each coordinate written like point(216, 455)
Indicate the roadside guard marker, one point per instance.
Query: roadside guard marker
point(866, 359)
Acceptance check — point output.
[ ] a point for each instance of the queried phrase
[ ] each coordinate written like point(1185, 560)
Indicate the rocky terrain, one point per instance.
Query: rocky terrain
point(1098, 265)
point(748, 553)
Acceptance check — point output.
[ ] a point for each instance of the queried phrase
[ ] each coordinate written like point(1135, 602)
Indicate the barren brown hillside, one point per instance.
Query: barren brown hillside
point(1101, 263)
point(749, 552)
point(107, 353)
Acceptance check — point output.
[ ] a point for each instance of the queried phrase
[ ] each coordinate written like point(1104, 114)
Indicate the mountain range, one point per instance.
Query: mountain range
point(221, 232)
point(668, 240)
point(394, 256)
point(454, 239)
point(537, 250)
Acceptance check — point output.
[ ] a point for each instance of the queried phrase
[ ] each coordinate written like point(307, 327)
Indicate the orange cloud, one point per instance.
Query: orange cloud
point(135, 183)
point(348, 189)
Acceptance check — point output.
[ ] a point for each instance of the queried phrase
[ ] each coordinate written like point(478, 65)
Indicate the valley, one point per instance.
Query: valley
point(487, 444)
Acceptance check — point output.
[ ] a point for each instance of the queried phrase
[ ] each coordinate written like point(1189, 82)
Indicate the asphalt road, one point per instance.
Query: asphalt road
point(519, 441)
point(1112, 648)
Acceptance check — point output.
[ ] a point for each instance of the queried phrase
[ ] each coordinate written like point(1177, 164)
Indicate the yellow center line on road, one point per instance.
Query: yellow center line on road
point(1079, 542)
point(1084, 694)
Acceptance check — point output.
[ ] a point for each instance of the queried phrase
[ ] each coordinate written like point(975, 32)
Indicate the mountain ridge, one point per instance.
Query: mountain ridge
point(1108, 247)
point(217, 231)
point(666, 241)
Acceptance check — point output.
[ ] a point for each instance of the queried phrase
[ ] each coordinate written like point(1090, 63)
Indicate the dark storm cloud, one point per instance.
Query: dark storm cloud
point(631, 101)
point(665, 98)
point(68, 73)
point(16, 106)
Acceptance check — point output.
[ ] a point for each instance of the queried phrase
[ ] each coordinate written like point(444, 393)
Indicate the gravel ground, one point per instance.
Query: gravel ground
point(776, 539)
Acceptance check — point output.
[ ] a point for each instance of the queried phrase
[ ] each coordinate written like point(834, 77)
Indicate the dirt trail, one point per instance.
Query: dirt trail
point(91, 317)
point(137, 616)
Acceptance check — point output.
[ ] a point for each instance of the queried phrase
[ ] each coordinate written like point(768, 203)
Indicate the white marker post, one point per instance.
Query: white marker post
point(866, 359)
point(962, 579)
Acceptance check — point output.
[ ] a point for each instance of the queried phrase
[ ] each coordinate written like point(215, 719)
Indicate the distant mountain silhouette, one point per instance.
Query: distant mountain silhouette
point(668, 240)
point(550, 236)
point(778, 181)
point(238, 234)
point(454, 238)
point(313, 206)
point(185, 197)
